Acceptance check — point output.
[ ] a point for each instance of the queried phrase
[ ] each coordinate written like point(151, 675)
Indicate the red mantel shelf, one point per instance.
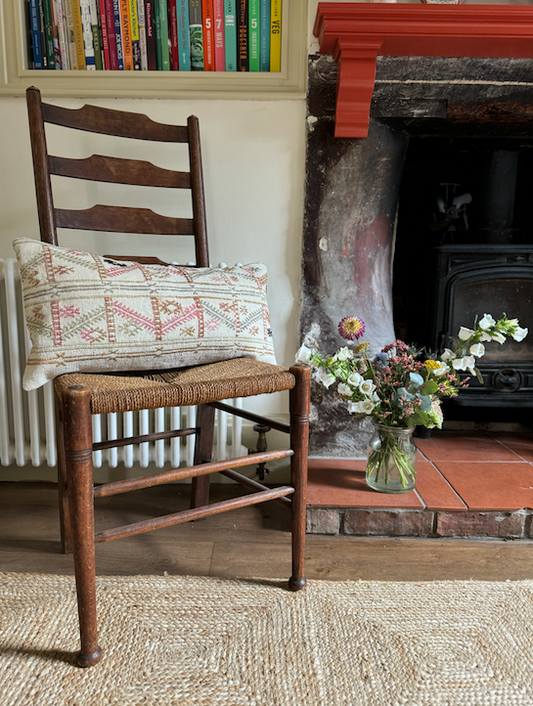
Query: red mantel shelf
point(357, 33)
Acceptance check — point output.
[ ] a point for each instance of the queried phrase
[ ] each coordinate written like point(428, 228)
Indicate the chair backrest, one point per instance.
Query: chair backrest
point(116, 170)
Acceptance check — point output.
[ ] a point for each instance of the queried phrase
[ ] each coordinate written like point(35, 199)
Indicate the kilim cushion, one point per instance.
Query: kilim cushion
point(88, 313)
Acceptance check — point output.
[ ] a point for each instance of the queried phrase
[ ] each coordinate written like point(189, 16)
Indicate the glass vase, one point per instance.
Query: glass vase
point(391, 460)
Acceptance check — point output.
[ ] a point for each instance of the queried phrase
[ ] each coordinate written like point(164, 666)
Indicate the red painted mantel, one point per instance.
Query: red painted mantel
point(357, 33)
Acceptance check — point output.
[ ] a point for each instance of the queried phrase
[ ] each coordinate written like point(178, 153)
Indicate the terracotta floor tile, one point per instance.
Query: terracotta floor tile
point(491, 486)
point(434, 490)
point(467, 447)
point(521, 444)
point(341, 483)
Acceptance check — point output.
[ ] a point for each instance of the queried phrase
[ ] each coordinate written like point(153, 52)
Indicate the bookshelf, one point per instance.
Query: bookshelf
point(289, 83)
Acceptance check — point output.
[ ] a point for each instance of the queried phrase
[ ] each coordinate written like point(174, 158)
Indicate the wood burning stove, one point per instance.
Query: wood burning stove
point(471, 280)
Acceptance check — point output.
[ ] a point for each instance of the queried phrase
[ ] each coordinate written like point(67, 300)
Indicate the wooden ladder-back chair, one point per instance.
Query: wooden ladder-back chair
point(79, 395)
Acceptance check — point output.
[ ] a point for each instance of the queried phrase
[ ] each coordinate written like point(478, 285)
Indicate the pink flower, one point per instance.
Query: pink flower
point(351, 328)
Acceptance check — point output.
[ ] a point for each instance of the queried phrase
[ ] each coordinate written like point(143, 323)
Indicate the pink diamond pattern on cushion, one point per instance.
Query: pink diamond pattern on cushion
point(89, 313)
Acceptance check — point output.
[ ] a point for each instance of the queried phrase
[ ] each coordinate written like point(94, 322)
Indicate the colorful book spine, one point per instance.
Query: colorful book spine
point(173, 34)
point(184, 46)
point(151, 41)
point(142, 34)
point(85, 8)
point(209, 35)
point(264, 36)
point(242, 35)
point(70, 36)
point(135, 38)
point(275, 35)
point(55, 34)
point(118, 34)
point(35, 35)
point(196, 35)
point(95, 30)
point(230, 35)
point(125, 26)
point(253, 35)
point(161, 35)
point(111, 36)
point(49, 34)
point(104, 34)
point(78, 34)
point(61, 31)
point(218, 18)
point(40, 5)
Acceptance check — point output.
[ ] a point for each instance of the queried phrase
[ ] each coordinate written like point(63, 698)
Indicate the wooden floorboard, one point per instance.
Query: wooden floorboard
point(250, 542)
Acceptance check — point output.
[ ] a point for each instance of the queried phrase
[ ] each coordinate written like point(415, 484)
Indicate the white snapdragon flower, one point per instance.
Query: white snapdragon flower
point(326, 378)
point(344, 353)
point(355, 379)
point(520, 333)
point(478, 349)
point(498, 337)
point(466, 363)
point(303, 354)
point(441, 370)
point(448, 354)
point(465, 333)
point(365, 406)
point(485, 337)
point(367, 387)
point(344, 389)
point(353, 407)
point(486, 322)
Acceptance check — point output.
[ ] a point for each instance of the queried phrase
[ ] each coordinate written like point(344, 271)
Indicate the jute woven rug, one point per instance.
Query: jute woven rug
point(202, 641)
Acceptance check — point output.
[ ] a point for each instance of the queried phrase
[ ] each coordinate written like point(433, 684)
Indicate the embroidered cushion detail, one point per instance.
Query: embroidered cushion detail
point(88, 313)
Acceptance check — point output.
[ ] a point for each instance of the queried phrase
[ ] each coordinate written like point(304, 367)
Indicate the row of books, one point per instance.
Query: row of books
point(150, 35)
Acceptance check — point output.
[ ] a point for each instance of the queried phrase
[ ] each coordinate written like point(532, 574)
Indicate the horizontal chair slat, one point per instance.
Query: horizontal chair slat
point(125, 486)
point(142, 438)
point(117, 123)
point(280, 426)
point(177, 518)
point(250, 483)
point(116, 170)
point(119, 219)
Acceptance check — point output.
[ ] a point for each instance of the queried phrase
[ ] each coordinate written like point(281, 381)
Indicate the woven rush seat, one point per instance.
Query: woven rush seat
point(240, 377)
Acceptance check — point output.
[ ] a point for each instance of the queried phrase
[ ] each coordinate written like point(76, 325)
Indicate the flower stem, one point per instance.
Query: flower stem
point(390, 454)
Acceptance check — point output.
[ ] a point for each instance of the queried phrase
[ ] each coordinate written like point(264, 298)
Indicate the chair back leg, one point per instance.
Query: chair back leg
point(203, 450)
point(299, 409)
point(77, 434)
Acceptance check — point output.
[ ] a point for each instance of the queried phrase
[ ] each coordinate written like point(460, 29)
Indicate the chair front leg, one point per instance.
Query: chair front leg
point(203, 451)
point(62, 485)
point(77, 431)
point(300, 398)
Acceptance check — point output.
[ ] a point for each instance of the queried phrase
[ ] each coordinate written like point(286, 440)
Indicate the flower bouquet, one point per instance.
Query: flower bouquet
point(400, 388)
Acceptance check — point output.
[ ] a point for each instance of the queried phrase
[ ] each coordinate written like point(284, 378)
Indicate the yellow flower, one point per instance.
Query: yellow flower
point(361, 347)
point(432, 364)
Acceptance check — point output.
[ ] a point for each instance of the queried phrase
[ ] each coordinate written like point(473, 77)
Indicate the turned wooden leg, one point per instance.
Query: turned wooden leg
point(203, 450)
point(299, 407)
point(64, 511)
point(77, 429)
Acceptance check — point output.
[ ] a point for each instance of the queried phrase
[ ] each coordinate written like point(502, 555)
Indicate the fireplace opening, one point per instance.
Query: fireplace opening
point(464, 247)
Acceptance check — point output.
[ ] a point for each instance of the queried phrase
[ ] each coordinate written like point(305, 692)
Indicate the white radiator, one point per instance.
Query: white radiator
point(27, 426)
